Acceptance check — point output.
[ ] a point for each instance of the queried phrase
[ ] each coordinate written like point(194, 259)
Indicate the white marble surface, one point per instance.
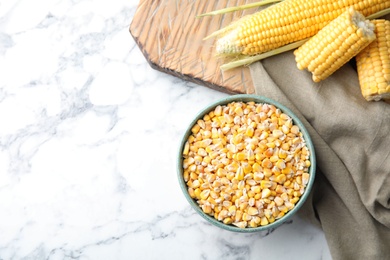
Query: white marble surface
point(88, 142)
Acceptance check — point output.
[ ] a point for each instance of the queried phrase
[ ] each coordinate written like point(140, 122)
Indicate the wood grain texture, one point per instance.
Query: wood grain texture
point(171, 38)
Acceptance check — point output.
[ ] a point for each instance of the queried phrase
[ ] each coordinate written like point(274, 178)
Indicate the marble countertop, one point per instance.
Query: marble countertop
point(89, 135)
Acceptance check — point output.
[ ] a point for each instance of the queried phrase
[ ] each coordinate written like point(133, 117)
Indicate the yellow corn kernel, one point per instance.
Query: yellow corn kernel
point(275, 212)
point(252, 201)
point(251, 194)
point(256, 167)
point(232, 210)
point(250, 155)
point(280, 164)
point(252, 211)
point(280, 215)
point(283, 208)
point(271, 219)
point(238, 110)
point(267, 172)
point(233, 166)
point(195, 129)
point(265, 184)
point(308, 163)
point(273, 185)
point(191, 193)
point(239, 173)
point(257, 177)
point(186, 148)
point(217, 111)
point(278, 201)
point(192, 168)
point(207, 159)
point(197, 192)
point(259, 157)
point(265, 193)
point(198, 159)
point(247, 168)
point(289, 205)
point(305, 178)
point(250, 131)
point(281, 178)
point(246, 217)
point(274, 158)
point(186, 176)
point(214, 133)
point(243, 206)
point(267, 213)
point(240, 186)
point(287, 183)
point(238, 216)
point(230, 175)
point(221, 172)
point(271, 145)
point(204, 194)
point(286, 170)
point(280, 189)
point(222, 214)
point(285, 147)
point(335, 44)
point(253, 223)
point(373, 64)
point(206, 209)
point(269, 152)
point(294, 200)
point(240, 156)
point(193, 176)
point(264, 221)
point(284, 196)
point(195, 184)
point(256, 189)
point(213, 194)
point(298, 179)
point(282, 154)
point(241, 224)
point(237, 139)
point(228, 221)
point(297, 194)
point(266, 163)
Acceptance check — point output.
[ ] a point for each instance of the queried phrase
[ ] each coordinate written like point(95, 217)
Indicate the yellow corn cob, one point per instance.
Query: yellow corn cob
point(373, 64)
point(286, 22)
point(334, 45)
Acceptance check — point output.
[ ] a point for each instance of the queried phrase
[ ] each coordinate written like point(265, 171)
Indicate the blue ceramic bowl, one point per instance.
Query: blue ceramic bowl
point(256, 99)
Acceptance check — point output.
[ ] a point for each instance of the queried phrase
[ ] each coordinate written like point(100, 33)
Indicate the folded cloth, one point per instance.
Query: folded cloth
point(351, 196)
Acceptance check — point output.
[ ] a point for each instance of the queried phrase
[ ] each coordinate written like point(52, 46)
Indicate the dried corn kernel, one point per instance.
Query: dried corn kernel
point(246, 164)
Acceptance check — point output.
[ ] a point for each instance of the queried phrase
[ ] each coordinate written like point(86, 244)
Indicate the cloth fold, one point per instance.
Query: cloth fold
point(351, 196)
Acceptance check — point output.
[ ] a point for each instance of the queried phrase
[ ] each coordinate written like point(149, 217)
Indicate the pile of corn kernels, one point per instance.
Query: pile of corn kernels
point(246, 164)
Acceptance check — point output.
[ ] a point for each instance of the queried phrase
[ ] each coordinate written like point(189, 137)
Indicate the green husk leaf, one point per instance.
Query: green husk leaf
point(238, 8)
point(247, 60)
point(379, 14)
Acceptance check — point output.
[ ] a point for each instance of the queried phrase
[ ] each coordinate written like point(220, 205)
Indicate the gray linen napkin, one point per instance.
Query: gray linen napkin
point(351, 196)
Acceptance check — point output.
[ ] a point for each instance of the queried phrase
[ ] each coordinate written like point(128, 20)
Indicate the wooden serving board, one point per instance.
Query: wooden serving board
point(171, 38)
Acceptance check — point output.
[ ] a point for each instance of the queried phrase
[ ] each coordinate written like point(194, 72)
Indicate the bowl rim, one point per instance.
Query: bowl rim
point(257, 99)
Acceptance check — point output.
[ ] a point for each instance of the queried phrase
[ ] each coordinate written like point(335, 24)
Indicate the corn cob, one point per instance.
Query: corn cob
point(335, 44)
point(286, 22)
point(373, 64)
